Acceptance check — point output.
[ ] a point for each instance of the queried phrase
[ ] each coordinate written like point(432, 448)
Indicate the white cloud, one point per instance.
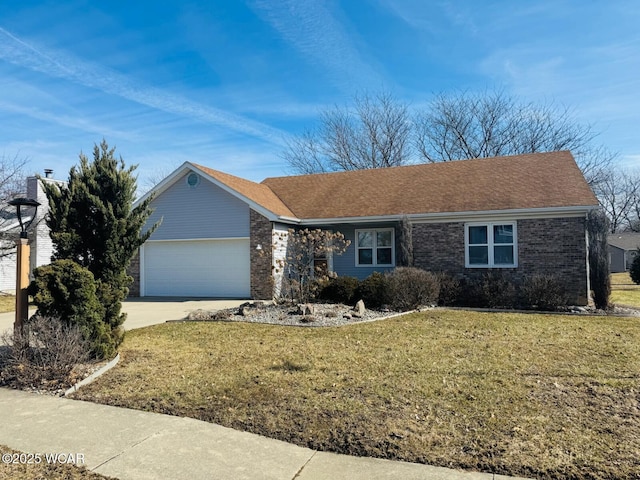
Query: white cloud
point(69, 121)
point(314, 31)
point(59, 65)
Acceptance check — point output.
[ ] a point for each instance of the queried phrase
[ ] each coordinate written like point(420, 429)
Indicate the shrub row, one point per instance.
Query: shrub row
point(403, 289)
point(408, 288)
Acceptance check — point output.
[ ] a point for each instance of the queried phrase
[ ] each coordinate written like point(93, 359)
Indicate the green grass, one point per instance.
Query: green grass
point(520, 394)
point(623, 291)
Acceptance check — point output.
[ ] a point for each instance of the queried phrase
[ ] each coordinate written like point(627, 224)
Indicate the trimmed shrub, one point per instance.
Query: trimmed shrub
point(491, 290)
point(634, 271)
point(405, 257)
point(340, 290)
point(66, 290)
point(543, 292)
point(373, 291)
point(450, 290)
point(597, 230)
point(411, 288)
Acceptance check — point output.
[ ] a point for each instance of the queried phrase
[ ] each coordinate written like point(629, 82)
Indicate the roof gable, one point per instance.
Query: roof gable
point(258, 193)
point(257, 196)
point(542, 180)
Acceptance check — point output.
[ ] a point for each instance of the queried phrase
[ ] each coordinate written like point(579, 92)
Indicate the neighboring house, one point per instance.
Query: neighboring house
point(10, 230)
point(622, 250)
point(39, 240)
point(522, 215)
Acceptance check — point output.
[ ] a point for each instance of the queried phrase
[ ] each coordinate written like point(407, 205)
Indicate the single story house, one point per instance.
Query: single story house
point(522, 215)
point(622, 250)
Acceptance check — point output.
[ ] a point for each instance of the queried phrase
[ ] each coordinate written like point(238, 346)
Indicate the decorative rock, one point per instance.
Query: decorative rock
point(199, 315)
point(246, 309)
point(221, 316)
point(306, 309)
point(359, 309)
point(348, 316)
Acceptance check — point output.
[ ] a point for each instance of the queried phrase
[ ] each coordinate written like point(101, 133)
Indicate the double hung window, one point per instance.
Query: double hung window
point(375, 247)
point(490, 245)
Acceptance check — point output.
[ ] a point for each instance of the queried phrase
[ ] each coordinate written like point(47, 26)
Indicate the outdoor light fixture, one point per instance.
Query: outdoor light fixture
point(22, 262)
point(24, 202)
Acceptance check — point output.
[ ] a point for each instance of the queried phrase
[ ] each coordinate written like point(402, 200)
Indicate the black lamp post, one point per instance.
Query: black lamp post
point(22, 261)
point(24, 202)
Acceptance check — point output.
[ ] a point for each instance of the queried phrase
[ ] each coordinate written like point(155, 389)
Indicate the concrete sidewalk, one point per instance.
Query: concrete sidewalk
point(133, 445)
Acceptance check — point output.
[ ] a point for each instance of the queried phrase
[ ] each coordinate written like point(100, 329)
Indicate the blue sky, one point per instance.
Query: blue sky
point(224, 82)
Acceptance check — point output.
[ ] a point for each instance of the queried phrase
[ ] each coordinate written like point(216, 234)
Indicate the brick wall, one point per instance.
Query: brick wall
point(134, 271)
point(261, 260)
point(558, 247)
point(553, 246)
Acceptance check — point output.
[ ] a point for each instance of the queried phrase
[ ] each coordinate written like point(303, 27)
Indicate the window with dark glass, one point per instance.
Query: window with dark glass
point(490, 245)
point(375, 247)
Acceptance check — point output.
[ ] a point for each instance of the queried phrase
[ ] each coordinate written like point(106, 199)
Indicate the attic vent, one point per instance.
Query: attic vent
point(193, 179)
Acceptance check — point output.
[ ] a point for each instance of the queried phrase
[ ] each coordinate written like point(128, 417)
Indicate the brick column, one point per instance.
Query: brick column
point(260, 233)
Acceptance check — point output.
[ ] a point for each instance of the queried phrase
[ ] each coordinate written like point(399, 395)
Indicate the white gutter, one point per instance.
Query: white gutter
point(549, 212)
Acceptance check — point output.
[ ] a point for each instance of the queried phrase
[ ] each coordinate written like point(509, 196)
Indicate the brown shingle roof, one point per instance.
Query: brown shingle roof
point(256, 192)
point(541, 180)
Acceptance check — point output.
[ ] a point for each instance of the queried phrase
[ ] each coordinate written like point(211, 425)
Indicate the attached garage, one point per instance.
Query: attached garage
point(196, 268)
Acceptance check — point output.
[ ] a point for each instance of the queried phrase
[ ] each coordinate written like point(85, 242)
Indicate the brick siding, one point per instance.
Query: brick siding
point(260, 233)
point(554, 246)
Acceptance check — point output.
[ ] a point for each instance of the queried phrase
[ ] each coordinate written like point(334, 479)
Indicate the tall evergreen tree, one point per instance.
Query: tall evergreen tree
point(93, 223)
point(597, 230)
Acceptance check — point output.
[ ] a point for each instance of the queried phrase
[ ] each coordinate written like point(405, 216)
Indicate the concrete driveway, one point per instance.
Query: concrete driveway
point(142, 312)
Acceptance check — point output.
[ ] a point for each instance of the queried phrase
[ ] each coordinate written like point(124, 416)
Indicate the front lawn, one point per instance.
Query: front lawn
point(624, 291)
point(522, 394)
point(7, 303)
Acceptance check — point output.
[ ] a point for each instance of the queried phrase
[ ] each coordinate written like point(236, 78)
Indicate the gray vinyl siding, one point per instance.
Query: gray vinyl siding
point(206, 211)
point(345, 265)
point(617, 263)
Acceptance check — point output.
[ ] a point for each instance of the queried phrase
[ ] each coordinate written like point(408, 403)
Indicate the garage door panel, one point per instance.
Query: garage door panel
point(212, 268)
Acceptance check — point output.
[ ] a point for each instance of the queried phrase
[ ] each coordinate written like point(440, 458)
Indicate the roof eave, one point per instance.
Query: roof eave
point(443, 217)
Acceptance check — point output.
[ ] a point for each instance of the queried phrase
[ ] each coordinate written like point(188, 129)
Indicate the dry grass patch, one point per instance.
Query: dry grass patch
point(624, 291)
point(41, 471)
point(7, 303)
point(621, 279)
point(520, 394)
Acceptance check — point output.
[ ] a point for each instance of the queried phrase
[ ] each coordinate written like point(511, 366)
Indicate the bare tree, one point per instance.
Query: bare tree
point(375, 133)
point(12, 184)
point(378, 131)
point(154, 178)
point(619, 196)
point(466, 125)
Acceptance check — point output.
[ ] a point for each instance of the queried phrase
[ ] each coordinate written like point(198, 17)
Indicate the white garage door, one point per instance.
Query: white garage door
point(192, 268)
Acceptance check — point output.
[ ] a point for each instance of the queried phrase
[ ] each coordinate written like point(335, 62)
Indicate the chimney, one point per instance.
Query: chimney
point(48, 173)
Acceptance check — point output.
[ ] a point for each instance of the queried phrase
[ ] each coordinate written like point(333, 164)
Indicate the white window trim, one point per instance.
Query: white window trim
point(375, 247)
point(491, 244)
